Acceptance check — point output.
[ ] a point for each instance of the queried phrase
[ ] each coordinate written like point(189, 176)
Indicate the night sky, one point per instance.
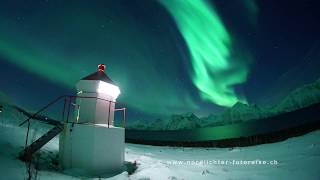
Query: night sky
point(167, 56)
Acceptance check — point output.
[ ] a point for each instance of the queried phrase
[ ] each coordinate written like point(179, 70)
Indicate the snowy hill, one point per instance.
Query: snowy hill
point(139, 124)
point(9, 114)
point(158, 124)
point(174, 122)
point(294, 158)
point(243, 112)
point(237, 113)
point(183, 121)
point(299, 98)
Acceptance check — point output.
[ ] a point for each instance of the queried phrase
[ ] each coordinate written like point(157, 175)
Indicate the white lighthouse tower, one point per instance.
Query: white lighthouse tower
point(90, 143)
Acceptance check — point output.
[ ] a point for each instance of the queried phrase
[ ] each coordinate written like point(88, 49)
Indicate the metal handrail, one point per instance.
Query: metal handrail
point(42, 109)
point(124, 115)
point(69, 97)
point(59, 98)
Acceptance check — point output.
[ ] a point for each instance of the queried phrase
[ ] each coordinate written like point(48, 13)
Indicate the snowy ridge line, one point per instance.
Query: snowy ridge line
point(266, 130)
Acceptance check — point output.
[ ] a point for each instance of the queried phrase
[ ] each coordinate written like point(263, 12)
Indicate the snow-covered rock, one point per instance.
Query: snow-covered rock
point(302, 97)
point(183, 121)
point(237, 113)
point(158, 124)
point(243, 112)
point(174, 122)
point(138, 124)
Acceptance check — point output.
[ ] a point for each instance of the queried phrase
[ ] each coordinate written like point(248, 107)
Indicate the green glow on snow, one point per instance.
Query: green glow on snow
point(215, 70)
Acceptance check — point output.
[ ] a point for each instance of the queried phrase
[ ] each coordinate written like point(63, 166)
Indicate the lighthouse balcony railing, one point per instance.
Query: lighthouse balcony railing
point(69, 102)
point(76, 108)
point(70, 106)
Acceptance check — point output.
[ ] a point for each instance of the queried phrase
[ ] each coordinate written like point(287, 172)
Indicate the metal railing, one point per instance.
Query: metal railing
point(69, 100)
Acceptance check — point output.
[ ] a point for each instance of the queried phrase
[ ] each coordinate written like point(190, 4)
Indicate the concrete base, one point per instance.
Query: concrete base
point(92, 149)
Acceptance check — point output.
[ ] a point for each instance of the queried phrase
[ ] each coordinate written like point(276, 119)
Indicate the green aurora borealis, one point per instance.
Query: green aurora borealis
point(215, 71)
point(64, 55)
point(66, 45)
point(167, 56)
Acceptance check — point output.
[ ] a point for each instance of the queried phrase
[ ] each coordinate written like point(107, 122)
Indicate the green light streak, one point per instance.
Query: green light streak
point(65, 44)
point(251, 6)
point(31, 62)
point(252, 10)
point(215, 70)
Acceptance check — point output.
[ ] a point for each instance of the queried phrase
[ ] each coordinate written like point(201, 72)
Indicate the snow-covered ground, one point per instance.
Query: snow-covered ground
point(295, 158)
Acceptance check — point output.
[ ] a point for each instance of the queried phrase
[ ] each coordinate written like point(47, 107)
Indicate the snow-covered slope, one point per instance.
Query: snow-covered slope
point(295, 158)
point(238, 112)
point(174, 122)
point(243, 112)
point(184, 121)
point(139, 124)
point(302, 97)
point(299, 98)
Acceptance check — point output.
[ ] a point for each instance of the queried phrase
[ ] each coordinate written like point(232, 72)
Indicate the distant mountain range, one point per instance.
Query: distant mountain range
point(301, 97)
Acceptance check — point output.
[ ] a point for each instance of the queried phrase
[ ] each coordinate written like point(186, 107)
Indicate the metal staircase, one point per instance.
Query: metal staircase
point(36, 145)
point(29, 150)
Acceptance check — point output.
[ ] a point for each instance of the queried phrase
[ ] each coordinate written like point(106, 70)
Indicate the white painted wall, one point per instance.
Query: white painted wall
point(87, 108)
point(92, 149)
point(102, 110)
point(94, 110)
